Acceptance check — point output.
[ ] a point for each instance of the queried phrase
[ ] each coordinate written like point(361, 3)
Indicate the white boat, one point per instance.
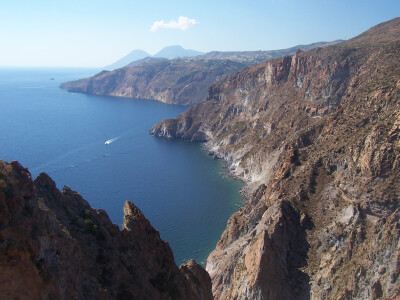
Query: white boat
point(110, 141)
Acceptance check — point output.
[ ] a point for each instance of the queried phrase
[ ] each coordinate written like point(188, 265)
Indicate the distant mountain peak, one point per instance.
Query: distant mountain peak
point(175, 51)
point(127, 59)
point(169, 52)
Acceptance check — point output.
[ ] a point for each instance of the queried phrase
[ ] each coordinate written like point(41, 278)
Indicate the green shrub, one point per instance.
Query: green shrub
point(88, 222)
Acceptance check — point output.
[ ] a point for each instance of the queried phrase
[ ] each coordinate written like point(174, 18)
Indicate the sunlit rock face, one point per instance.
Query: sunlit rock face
point(177, 81)
point(316, 136)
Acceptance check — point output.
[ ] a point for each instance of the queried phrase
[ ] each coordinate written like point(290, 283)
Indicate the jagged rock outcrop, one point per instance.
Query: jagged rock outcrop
point(199, 279)
point(53, 245)
point(316, 135)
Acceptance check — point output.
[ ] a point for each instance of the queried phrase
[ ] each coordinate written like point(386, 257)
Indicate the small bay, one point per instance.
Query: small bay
point(184, 192)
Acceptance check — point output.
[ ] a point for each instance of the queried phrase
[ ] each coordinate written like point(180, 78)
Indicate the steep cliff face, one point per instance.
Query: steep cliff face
point(179, 81)
point(53, 245)
point(257, 108)
point(316, 136)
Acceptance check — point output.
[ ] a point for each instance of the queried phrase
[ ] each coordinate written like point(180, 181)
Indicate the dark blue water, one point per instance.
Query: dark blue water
point(180, 189)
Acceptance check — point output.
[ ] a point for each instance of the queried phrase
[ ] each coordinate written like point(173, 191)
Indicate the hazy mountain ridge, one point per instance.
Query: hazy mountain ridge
point(254, 57)
point(316, 136)
point(179, 81)
point(176, 51)
point(135, 56)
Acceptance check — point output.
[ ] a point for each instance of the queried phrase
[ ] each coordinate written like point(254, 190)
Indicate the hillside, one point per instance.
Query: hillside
point(254, 57)
point(171, 81)
point(53, 245)
point(316, 136)
point(179, 81)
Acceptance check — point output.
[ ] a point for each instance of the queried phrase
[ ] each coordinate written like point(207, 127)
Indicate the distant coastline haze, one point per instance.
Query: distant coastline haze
point(76, 33)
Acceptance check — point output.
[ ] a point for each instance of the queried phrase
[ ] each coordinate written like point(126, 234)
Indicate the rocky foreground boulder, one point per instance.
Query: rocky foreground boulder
point(53, 245)
point(316, 135)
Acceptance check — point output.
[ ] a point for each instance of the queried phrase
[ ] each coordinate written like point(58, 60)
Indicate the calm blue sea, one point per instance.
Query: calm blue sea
point(182, 191)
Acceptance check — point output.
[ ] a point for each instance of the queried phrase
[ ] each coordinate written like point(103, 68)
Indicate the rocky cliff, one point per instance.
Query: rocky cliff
point(178, 81)
point(53, 245)
point(317, 137)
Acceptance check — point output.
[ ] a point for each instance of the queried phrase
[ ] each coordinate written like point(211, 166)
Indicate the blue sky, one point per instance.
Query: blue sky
point(95, 33)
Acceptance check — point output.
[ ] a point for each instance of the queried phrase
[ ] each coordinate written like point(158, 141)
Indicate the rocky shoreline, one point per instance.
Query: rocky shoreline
point(244, 191)
point(316, 137)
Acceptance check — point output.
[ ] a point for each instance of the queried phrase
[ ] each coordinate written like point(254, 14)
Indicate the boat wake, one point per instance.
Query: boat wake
point(110, 141)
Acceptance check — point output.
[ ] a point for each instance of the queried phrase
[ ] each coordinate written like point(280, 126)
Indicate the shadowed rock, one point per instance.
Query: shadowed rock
point(53, 245)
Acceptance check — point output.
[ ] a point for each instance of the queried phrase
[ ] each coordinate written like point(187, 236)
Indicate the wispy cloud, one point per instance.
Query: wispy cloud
point(183, 23)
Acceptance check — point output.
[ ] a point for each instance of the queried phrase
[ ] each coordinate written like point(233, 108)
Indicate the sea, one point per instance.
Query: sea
point(100, 147)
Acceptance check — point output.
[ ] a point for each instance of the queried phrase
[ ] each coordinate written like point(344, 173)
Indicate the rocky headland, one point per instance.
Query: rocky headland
point(177, 81)
point(317, 137)
point(53, 245)
point(182, 81)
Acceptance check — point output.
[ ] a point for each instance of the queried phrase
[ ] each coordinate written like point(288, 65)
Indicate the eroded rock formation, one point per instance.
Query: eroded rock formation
point(53, 245)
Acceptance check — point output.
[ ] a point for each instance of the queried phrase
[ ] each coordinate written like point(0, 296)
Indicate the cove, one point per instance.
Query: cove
point(184, 192)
